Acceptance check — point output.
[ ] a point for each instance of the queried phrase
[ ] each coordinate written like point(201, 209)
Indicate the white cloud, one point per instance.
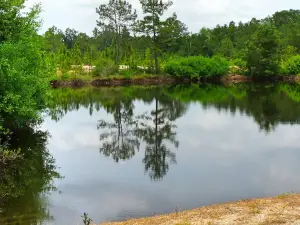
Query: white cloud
point(81, 14)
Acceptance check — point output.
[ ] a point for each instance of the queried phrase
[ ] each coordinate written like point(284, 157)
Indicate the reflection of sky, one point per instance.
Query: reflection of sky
point(221, 157)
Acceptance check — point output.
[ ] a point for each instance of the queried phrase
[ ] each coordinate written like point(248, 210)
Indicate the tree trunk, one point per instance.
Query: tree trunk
point(154, 43)
point(155, 54)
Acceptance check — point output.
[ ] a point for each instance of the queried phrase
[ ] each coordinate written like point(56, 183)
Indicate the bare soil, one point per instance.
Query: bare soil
point(235, 78)
point(283, 209)
point(145, 81)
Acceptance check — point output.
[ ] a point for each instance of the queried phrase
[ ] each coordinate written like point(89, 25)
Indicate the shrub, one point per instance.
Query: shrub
point(105, 67)
point(126, 73)
point(65, 76)
point(291, 66)
point(238, 66)
point(23, 86)
point(197, 66)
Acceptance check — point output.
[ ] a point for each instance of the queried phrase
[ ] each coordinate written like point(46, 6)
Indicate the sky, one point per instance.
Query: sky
point(81, 14)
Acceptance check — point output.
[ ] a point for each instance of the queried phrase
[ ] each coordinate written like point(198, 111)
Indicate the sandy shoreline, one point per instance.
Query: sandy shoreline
point(283, 209)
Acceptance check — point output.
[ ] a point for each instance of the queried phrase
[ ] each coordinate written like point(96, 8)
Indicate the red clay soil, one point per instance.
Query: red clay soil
point(234, 78)
point(77, 83)
point(141, 81)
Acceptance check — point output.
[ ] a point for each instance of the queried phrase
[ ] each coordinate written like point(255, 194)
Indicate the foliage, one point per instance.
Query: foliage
point(264, 45)
point(261, 51)
point(23, 68)
point(105, 67)
point(27, 169)
point(291, 66)
point(238, 66)
point(117, 16)
point(86, 219)
point(197, 66)
point(150, 25)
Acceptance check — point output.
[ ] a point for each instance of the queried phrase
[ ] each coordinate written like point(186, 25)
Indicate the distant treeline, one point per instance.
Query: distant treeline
point(261, 47)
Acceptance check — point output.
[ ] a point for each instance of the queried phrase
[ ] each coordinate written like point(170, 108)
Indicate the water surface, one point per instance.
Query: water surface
point(138, 151)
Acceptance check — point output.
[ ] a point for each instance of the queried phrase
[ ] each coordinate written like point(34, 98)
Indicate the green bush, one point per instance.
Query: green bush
point(23, 86)
point(291, 66)
point(238, 66)
point(197, 66)
point(65, 76)
point(126, 73)
point(105, 67)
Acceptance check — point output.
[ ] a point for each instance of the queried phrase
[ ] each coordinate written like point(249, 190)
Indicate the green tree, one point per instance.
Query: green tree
point(170, 34)
point(226, 48)
point(116, 16)
point(262, 49)
point(23, 67)
point(150, 25)
point(11, 19)
point(53, 39)
point(70, 37)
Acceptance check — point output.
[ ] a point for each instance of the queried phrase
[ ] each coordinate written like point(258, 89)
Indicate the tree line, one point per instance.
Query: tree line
point(259, 47)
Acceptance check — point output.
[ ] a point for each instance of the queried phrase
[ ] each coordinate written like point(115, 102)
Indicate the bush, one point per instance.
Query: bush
point(23, 86)
point(197, 66)
point(126, 73)
point(65, 76)
point(238, 66)
point(291, 66)
point(105, 67)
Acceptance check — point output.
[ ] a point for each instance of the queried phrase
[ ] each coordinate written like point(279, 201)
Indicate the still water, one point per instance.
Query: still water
point(129, 152)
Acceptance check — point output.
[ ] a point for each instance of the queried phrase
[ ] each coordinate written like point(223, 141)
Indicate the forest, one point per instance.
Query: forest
point(122, 45)
point(155, 45)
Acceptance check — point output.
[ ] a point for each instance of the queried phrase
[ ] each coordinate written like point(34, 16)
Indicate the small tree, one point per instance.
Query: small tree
point(262, 49)
point(117, 15)
point(154, 10)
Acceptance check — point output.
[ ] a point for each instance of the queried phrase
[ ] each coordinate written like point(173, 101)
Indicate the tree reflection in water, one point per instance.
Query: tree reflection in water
point(268, 105)
point(24, 185)
point(119, 140)
point(122, 138)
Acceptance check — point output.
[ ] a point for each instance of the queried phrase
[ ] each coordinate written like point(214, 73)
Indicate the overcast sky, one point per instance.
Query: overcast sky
point(81, 14)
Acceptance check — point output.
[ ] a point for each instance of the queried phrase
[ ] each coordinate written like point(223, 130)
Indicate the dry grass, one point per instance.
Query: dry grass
point(284, 209)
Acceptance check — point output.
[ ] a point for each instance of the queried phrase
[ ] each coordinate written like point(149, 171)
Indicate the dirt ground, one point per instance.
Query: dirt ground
point(284, 209)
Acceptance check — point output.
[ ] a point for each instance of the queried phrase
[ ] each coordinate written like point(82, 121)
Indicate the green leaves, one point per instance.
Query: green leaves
point(197, 66)
point(116, 16)
point(261, 53)
point(292, 66)
point(151, 24)
point(23, 65)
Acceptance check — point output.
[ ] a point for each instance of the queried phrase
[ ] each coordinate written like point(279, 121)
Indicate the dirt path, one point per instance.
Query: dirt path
point(283, 209)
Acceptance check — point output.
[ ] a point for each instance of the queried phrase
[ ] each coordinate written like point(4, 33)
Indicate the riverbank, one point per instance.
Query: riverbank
point(156, 80)
point(115, 81)
point(141, 80)
point(284, 209)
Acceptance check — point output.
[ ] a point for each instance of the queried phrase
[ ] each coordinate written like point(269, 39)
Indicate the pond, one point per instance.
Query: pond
point(127, 152)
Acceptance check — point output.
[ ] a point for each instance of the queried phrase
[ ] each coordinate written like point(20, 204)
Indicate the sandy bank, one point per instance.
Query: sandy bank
point(283, 209)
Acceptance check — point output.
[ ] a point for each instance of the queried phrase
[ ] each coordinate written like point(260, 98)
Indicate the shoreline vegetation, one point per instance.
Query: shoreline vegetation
point(282, 209)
